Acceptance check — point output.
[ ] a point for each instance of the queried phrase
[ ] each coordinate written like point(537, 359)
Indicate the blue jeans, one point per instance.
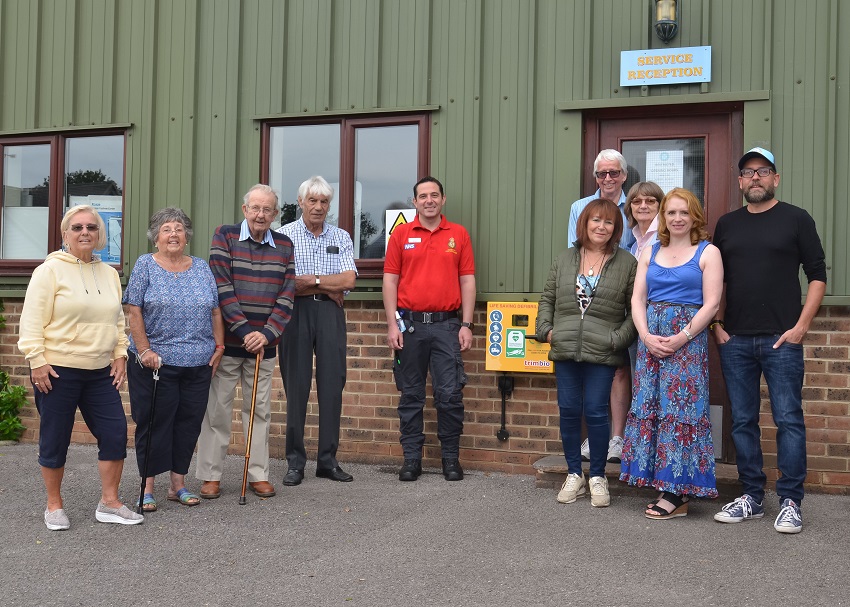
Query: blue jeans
point(584, 388)
point(743, 359)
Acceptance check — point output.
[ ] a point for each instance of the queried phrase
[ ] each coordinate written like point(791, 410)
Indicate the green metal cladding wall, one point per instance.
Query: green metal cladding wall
point(193, 77)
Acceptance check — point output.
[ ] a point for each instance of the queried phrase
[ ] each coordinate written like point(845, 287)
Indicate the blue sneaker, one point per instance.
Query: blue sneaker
point(742, 509)
point(790, 519)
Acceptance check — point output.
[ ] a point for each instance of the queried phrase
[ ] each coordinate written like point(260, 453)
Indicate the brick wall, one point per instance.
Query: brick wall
point(370, 424)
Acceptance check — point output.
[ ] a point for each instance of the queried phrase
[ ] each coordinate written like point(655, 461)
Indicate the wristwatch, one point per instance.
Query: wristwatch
point(318, 282)
point(468, 325)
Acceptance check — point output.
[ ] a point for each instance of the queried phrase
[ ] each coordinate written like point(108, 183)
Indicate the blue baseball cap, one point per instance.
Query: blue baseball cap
point(763, 153)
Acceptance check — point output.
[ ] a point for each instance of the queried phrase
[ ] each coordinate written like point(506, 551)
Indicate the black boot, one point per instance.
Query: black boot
point(452, 470)
point(411, 470)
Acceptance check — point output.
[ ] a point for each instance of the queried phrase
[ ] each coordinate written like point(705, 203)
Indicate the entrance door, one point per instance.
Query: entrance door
point(695, 147)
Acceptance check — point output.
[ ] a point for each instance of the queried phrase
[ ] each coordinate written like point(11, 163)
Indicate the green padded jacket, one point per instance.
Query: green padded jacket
point(606, 330)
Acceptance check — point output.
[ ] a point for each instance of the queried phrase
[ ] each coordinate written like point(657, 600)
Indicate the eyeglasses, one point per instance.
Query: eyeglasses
point(611, 174)
point(167, 230)
point(763, 172)
point(636, 202)
point(257, 210)
point(91, 227)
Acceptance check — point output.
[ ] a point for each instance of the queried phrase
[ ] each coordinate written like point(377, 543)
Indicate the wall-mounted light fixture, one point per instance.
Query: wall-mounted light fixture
point(666, 19)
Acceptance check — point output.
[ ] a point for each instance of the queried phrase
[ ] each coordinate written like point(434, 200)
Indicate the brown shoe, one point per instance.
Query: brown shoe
point(211, 490)
point(262, 488)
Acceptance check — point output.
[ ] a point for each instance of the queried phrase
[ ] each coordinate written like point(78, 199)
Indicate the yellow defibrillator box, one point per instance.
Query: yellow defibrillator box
point(510, 339)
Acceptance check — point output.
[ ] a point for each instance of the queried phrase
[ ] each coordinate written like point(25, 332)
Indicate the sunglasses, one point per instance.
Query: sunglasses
point(91, 227)
point(612, 174)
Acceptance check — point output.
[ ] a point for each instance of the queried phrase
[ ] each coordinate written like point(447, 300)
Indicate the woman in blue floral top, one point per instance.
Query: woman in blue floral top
point(175, 326)
point(677, 291)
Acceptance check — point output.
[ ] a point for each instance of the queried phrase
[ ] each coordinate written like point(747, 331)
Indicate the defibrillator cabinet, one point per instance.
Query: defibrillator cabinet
point(511, 346)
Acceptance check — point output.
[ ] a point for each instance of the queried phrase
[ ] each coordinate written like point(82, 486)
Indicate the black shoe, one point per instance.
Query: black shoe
point(411, 470)
point(452, 470)
point(293, 477)
point(335, 474)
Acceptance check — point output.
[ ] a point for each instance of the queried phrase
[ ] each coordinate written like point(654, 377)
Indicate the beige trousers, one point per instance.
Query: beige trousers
point(216, 427)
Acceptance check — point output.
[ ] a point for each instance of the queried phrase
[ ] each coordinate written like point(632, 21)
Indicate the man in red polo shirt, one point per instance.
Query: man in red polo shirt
point(429, 298)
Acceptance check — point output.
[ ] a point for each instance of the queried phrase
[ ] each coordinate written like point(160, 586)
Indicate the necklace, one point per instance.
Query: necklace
point(601, 259)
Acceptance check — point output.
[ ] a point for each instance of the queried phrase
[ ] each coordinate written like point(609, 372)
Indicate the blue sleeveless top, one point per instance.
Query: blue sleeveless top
point(680, 284)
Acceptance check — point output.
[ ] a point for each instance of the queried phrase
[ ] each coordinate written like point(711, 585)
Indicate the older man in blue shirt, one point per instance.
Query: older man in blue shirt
point(325, 272)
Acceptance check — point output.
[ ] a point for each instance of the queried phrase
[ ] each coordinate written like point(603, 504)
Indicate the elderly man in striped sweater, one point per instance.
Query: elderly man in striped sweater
point(254, 268)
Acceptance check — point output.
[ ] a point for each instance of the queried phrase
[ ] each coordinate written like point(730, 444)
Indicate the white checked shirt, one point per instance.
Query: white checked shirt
point(311, 251)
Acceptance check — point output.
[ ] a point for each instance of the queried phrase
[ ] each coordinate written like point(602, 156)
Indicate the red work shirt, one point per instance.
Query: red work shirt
point(429, 265)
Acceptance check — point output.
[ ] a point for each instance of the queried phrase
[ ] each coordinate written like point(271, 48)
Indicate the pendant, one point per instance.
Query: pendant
point(590, 272)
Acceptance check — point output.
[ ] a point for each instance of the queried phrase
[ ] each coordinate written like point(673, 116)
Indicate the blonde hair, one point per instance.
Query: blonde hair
point(85, 208)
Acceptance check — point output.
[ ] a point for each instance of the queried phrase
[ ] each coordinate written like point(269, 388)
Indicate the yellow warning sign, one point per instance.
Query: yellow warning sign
point(399, 221)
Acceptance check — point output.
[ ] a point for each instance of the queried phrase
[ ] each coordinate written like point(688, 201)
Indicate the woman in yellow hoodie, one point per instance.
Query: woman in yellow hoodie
point(72, 334)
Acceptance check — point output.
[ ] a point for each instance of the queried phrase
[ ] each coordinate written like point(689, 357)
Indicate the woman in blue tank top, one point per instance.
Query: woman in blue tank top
point(677, 291)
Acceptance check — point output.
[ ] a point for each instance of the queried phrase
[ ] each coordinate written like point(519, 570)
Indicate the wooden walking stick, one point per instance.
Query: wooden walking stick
point(242, 500)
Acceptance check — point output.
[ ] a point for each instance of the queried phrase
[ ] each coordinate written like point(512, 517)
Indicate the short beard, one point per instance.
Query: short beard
point(767, 194)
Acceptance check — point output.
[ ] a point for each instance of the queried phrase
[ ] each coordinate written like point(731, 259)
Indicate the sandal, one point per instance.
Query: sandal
point(185, 497)
point(655, 501)
point(680, 508)
point(148, 504)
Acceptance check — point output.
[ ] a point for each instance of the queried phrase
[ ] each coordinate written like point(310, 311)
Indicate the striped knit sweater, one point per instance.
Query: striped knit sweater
point(256, 287)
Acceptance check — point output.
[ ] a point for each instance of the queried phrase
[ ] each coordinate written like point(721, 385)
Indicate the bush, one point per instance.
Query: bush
point(12, 398)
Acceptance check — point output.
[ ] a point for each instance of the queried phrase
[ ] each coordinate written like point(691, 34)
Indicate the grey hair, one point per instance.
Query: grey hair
point(167, 215)
point(263, 189)
point(315, 185)
point(611, 155)
point(85, 208)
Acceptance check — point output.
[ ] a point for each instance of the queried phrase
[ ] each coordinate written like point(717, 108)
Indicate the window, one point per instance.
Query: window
point(372, 164)
point(44, 176)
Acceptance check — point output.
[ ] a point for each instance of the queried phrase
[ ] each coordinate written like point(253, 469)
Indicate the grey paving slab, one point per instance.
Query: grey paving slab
point(488, 540)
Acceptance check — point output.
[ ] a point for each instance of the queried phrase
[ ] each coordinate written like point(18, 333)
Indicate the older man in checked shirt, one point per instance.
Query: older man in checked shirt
point(325, 272)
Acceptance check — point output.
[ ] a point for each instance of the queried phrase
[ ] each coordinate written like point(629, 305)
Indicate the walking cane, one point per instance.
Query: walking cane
point(242, 500)
point(140, 508)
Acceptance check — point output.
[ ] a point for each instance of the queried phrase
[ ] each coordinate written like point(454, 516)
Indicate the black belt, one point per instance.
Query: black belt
point(315, 297)
point(429, 317)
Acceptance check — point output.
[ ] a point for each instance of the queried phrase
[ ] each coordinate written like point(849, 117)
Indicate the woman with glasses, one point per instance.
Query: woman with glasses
point(584, 314)
point(72, 335)
point(642, 203)
point(677, 291)
point(175, 328)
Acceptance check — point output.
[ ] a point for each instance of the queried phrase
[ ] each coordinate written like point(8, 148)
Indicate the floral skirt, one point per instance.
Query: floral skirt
point(668, 431)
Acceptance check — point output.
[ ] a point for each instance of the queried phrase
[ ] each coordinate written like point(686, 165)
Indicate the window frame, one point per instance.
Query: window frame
point(367, 268)
point(56, 189)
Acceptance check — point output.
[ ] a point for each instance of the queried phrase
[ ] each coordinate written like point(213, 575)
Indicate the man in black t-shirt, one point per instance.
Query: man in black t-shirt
point(759, 330)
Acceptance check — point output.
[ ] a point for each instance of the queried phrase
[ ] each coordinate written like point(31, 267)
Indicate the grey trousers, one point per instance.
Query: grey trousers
point(315, 327)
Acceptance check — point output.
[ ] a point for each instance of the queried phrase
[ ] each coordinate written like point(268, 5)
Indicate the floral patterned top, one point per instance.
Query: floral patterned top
point(177, 310)
point(585, 290)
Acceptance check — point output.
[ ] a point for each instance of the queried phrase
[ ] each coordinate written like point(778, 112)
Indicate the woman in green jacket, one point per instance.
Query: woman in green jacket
point(585, 315)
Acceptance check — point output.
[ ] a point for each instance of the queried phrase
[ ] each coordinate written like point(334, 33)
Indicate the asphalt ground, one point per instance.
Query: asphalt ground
point(490, 540)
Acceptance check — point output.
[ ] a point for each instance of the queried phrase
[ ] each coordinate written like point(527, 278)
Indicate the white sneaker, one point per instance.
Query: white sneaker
point(615, 449)
point(585, 451)
point(122, 515)
point(572, 488)
point(56, 520)
point(599, 496)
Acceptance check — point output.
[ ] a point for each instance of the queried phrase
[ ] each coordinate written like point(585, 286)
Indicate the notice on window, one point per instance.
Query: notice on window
point(666, 168)
point(109, 209)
